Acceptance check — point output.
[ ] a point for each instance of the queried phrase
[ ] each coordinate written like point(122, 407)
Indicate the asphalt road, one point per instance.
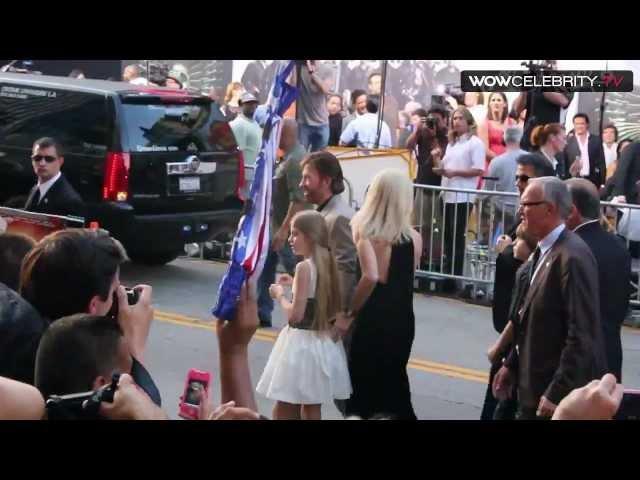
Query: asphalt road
point(448, 370)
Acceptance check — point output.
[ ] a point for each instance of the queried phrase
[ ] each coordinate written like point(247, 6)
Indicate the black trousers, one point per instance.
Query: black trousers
point(455, 222)
point(526, 413)
point(494, 409)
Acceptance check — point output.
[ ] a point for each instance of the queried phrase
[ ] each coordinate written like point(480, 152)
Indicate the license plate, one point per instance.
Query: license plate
point(189, 184)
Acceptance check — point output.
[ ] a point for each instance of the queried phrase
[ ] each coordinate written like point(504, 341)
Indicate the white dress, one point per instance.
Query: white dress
point(306, 366)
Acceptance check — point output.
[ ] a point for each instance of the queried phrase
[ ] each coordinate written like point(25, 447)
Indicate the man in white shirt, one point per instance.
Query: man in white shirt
point(460, 169)
point(584, 153)
point(363, 131)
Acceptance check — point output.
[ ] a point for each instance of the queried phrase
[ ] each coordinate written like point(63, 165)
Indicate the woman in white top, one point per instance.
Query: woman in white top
point(460, 168)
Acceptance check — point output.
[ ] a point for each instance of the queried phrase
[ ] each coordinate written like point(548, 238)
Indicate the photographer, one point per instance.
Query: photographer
point(311, 110)
point(542, 107)
point(430, 133)
point(77, 271)
point(20, 325)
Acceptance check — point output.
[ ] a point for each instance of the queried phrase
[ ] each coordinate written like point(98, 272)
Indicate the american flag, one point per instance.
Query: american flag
point(251, 242)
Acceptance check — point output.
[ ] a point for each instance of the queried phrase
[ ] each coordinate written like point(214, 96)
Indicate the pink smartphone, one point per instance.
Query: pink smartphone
point(196, 384)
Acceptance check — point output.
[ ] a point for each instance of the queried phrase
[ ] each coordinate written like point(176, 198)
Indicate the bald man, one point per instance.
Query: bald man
point(614, 266)
point(131, 74)
point(287, 200)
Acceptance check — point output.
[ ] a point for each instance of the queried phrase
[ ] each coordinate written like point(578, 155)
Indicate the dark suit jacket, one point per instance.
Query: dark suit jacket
point(597, 164)
point(61, 199)
point(628, 173)
point(614, 275)
point(21, 327)
point(506, 268)
point(559, 335)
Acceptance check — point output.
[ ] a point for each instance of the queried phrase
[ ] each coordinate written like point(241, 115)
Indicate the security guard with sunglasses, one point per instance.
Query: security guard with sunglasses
point(53, 194)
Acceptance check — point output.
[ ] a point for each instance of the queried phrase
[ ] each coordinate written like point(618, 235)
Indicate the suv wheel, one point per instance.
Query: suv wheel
point(156, 258)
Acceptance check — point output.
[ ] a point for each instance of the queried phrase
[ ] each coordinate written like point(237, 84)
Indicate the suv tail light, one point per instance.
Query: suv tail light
point(116, 177)
point(241, 177)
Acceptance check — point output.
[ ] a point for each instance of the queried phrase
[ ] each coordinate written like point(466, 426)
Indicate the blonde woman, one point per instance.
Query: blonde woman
point(231, 107)
point(308, 365)
point(382, 304)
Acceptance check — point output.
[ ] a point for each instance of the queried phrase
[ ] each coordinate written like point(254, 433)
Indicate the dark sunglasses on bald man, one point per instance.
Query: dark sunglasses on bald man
point(46, 158)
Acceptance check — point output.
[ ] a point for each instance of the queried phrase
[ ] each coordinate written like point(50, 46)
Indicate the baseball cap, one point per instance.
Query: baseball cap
point(247, 97)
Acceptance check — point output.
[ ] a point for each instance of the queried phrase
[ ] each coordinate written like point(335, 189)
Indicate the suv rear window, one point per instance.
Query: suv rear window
point(180, 127)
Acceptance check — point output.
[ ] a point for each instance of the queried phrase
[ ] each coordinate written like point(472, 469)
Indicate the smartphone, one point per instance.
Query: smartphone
point(630, 406)
point(196, 384)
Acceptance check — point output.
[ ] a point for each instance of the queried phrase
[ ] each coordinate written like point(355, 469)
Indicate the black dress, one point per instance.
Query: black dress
point(381, 344)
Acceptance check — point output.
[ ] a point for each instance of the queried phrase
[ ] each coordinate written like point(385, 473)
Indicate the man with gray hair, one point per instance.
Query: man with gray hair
point(614, 266)
point(502, 170)
point(559, 345)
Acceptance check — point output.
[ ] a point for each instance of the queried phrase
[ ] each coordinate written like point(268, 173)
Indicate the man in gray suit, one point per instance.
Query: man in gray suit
point(322, 183)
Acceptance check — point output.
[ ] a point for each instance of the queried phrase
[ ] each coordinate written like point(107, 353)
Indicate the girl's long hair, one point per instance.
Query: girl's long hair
point(387, 209)
point(327, 298)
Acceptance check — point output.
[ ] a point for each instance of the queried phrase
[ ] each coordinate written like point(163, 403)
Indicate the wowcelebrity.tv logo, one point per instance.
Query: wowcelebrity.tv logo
point(548, 80)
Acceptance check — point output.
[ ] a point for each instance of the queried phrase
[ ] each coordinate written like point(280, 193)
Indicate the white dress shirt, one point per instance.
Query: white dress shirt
point(364, 128)
point(584, 155)
point(46, 186)
point(467, 153)
point(610, 153)
point(545, 245)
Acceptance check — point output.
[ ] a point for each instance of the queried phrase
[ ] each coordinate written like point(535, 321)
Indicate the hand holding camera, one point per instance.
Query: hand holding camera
point(135, 318)
point(130, 402)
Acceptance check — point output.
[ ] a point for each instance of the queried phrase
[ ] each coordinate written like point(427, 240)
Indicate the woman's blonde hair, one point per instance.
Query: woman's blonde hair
point(387, 209)
point(473, 126)
point(313, 226)
point(233, 86)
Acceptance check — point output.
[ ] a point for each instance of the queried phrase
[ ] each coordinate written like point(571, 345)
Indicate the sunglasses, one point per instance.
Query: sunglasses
point(522, 178)
point(46, 158)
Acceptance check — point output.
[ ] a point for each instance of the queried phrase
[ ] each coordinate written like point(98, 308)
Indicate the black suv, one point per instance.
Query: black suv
point(157, 167)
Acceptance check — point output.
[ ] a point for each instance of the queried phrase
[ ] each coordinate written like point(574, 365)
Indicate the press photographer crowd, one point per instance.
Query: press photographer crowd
point(73, 339)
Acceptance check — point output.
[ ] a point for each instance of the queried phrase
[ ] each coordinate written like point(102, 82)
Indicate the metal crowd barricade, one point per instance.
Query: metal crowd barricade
point(491, 214)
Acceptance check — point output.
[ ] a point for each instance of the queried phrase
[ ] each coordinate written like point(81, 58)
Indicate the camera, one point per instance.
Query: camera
point(78, 406)
point(133, 296)
point(535, 66)
point(431, 122)
point(158, 74)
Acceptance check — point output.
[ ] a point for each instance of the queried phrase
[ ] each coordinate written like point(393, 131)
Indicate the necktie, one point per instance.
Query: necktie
point(534, 263)
point(35, 199)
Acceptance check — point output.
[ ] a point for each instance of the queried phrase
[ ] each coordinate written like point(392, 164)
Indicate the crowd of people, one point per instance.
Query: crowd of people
point(561, 290)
